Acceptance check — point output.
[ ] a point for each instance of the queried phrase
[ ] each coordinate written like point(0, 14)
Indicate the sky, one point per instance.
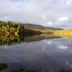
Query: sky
point(53, 13)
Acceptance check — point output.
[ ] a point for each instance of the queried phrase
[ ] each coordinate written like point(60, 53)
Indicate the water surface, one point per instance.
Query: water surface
point(45, 54)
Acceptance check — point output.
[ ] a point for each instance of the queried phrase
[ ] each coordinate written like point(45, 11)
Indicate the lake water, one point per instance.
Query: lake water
point(45, 54)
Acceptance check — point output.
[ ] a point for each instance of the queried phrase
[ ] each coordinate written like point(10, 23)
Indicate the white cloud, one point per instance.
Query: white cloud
point(63, 19)
point(50, 23)
point(37, 11)
point(66, 3)
point(62, 47)
point(49, 42)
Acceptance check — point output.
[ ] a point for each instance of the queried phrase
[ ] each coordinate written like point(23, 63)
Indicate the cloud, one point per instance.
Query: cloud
point(62, 47)
point(63, 19)
point(42, 12)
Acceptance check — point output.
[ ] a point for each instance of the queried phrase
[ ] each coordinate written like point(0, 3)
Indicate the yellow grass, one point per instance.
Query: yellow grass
point(64, 33)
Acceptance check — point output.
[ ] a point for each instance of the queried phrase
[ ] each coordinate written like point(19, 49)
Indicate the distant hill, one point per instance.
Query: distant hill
point(33, 26)
point(42, 29)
